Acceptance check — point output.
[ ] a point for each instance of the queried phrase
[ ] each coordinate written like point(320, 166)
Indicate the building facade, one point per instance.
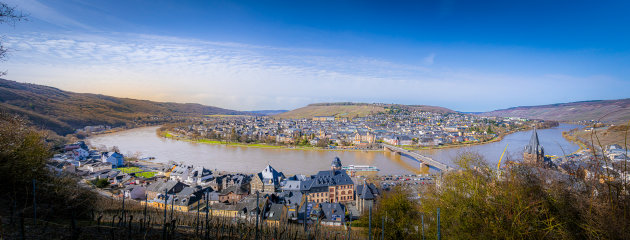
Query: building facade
point(267, 181)
point(331, 186)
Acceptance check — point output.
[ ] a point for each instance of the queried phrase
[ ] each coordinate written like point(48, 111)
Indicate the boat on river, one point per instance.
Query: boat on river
point(360, 170)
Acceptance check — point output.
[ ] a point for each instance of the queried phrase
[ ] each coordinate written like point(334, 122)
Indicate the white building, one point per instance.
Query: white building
point(116, 159)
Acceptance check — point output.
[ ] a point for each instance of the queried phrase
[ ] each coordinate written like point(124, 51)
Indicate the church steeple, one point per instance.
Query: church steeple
point(534, 152)
point(533, 141)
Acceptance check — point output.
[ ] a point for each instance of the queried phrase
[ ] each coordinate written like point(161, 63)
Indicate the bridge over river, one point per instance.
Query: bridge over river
point(419, 157)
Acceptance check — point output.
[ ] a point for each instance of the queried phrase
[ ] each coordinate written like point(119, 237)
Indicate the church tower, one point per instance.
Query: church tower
point(534, 153)
point(336, 164)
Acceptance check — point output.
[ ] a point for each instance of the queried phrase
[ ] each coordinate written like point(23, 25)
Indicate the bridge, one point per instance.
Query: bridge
point(419, 157)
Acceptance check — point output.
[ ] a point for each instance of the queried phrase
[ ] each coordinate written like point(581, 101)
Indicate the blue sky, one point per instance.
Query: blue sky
point(464, 55)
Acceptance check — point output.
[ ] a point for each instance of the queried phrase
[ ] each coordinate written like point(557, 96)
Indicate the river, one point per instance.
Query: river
point(145, 142)
point(551, 139)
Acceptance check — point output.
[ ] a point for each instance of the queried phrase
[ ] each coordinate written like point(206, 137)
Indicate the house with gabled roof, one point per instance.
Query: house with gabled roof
point(135, 192)
point(333, 214)
point(199, 175)
point(115, 158)
point(276, 214)
point(160, 187)
point(366, 195)
point(187, 199)
point(267, 181)
point(233, 194)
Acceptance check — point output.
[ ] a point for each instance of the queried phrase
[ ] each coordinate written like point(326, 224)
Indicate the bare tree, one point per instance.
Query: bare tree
point(115, 149)
point(8, 15)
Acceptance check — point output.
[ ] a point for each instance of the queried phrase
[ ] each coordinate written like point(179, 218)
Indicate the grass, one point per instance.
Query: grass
point(138, 172)
point(257, 145)
point(129, 170)
point(209, 141)
point(146, 174)
point(237, 144)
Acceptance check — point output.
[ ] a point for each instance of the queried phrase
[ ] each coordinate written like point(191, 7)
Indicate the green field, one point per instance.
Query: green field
point(129, 170)
point(138, 172)
point(210, 141)
point(146, 174)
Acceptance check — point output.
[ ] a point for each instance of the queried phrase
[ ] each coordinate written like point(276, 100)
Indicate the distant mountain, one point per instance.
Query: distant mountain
point(347, 109)
point(63, 111)
point(267, 112)
point(615, 111)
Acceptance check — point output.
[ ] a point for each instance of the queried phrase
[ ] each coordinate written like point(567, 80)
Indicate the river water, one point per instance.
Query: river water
point(551, 139)
point(145, 143)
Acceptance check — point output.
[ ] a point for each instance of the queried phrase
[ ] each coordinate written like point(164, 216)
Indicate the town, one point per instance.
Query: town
point(400, 126)
point(332, 196)
point(327, 196)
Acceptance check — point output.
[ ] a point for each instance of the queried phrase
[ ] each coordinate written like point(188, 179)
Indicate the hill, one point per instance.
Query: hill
point(63, 111)
point(605, 136)
point(353, 109)
point(267, 112)
point(614, 111)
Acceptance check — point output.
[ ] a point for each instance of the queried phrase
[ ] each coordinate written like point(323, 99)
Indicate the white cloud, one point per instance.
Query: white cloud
point(244, 77)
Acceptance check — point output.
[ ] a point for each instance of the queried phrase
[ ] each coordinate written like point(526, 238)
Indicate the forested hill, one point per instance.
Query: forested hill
point(63, 111)
point(614, 111)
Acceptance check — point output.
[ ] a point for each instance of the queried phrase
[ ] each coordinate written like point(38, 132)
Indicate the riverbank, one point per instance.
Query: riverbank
point(170, 135)
point(113, 130)
point(257, 145)
point(569, 136)
point(147, 143)
point(601, 136)
point(463, 144)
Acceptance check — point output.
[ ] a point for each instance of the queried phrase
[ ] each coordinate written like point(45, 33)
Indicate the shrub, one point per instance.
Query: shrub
point(101, 182)
point(23, 156)
point(402, 214)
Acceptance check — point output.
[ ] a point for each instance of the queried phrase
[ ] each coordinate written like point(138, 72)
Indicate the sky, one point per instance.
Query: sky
point(469, 56)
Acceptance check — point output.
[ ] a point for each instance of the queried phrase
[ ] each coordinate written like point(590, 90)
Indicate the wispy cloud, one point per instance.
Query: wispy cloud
point(242, 76)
